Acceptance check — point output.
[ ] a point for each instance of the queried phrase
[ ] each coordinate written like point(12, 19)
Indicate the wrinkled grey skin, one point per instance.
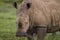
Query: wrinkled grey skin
point(37, 16)
point(30, 31)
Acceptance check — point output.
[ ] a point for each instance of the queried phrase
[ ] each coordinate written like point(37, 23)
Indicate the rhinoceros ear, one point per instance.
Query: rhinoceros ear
point(28, 5)
point(15, 4)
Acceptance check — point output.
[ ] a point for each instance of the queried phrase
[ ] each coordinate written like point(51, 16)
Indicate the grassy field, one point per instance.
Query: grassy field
point(8, 24)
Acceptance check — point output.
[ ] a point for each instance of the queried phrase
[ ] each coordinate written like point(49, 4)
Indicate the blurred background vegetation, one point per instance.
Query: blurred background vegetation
point(8, 22)
point(9, 1)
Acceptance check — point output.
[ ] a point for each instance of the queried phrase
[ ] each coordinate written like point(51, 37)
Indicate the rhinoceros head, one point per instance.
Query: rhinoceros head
point(22, 17)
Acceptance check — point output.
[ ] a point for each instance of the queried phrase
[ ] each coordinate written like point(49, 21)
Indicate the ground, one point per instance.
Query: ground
point(8, 24)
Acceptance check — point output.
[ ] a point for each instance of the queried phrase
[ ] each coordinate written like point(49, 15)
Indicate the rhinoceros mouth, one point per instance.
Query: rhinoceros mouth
point(21, 34)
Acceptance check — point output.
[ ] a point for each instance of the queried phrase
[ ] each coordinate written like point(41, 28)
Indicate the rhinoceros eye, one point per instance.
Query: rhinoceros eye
point(28, 5)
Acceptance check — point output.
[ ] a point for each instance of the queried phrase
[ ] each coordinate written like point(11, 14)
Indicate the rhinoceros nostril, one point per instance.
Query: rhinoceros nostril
point(20, 25)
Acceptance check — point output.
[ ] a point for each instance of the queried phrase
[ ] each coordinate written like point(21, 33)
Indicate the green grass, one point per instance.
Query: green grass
point(8, 24)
